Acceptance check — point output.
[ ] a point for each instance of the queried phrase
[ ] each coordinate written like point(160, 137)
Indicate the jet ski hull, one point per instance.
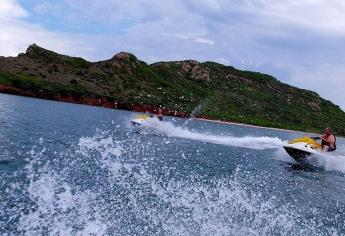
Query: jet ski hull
point(297, 154)
point(136, 123)
point(301, 148)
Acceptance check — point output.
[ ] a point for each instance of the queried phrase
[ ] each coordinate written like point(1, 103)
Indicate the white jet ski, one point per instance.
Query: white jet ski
point(301, 148)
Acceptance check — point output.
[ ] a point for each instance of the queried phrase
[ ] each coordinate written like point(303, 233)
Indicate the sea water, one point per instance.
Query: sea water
point(68, 169)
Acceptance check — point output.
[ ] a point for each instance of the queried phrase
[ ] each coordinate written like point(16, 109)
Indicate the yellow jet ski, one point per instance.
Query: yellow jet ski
point(140, 120)
point(301, 148)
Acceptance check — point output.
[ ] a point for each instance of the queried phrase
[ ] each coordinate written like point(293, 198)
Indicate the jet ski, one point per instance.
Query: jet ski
point(141, 120)
point(301, 148)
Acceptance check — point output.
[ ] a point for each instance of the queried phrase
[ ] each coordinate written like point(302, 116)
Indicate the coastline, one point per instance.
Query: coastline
point(249, 125)
point(106, 103)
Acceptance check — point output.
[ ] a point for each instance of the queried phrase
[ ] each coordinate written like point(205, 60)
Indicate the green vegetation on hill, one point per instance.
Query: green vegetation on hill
point(228, 93)
point(31, 83)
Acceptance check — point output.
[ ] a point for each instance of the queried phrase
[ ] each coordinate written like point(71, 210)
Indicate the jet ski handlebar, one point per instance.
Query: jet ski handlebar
point(315, 138)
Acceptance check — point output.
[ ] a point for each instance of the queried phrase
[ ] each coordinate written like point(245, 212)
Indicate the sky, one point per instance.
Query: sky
point(300, 42)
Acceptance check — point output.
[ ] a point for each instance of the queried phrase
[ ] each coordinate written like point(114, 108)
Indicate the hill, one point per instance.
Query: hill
point(178, 87)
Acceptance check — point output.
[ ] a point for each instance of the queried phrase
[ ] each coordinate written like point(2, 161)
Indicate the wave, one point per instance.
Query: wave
point(330, 161)
point(92, 188)
point(170, 130)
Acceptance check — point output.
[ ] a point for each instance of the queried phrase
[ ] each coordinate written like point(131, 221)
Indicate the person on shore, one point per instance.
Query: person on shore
point(328, 141)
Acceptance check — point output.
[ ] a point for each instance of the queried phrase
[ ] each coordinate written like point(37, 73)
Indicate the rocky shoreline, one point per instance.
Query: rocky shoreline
point(92, 101)
point(104, 102)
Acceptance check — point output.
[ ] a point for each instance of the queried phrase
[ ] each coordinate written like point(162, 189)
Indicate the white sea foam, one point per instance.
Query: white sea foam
point(60, 209)
point(105, 146)
point(330, 161)
point(127, 199)
point(170, 130)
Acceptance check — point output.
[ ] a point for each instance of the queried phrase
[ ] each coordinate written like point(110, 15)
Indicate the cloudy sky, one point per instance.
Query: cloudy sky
point(300, 42)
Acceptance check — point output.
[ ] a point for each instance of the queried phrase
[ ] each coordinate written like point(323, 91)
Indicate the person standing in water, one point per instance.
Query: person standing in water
point(328, 141)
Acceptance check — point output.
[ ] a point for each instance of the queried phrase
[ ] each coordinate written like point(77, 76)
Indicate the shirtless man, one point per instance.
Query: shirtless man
point(328, 141)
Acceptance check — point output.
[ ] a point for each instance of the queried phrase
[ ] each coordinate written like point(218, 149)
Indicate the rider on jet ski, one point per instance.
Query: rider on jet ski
point(159, 114)
point(328, 140)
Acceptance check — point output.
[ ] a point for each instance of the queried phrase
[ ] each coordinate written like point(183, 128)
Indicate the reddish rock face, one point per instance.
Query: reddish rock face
point(15, 91)
point(31, 50)
point(121, 56)
point(187, 66)
point(123, 60)
point(92, 101)
point(236, 77)
point(197, 71)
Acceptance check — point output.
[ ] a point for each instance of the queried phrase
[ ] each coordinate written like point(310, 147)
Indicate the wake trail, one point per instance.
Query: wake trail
point(259, 143)
point(328, 161)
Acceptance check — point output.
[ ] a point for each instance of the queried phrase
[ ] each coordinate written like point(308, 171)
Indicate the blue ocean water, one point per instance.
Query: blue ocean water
point(68, 169)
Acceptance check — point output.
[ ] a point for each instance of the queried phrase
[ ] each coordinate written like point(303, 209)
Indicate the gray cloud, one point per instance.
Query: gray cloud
point(10, 9)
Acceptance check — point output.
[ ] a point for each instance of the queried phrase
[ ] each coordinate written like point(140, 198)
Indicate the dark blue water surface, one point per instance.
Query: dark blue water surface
point(69, 169)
